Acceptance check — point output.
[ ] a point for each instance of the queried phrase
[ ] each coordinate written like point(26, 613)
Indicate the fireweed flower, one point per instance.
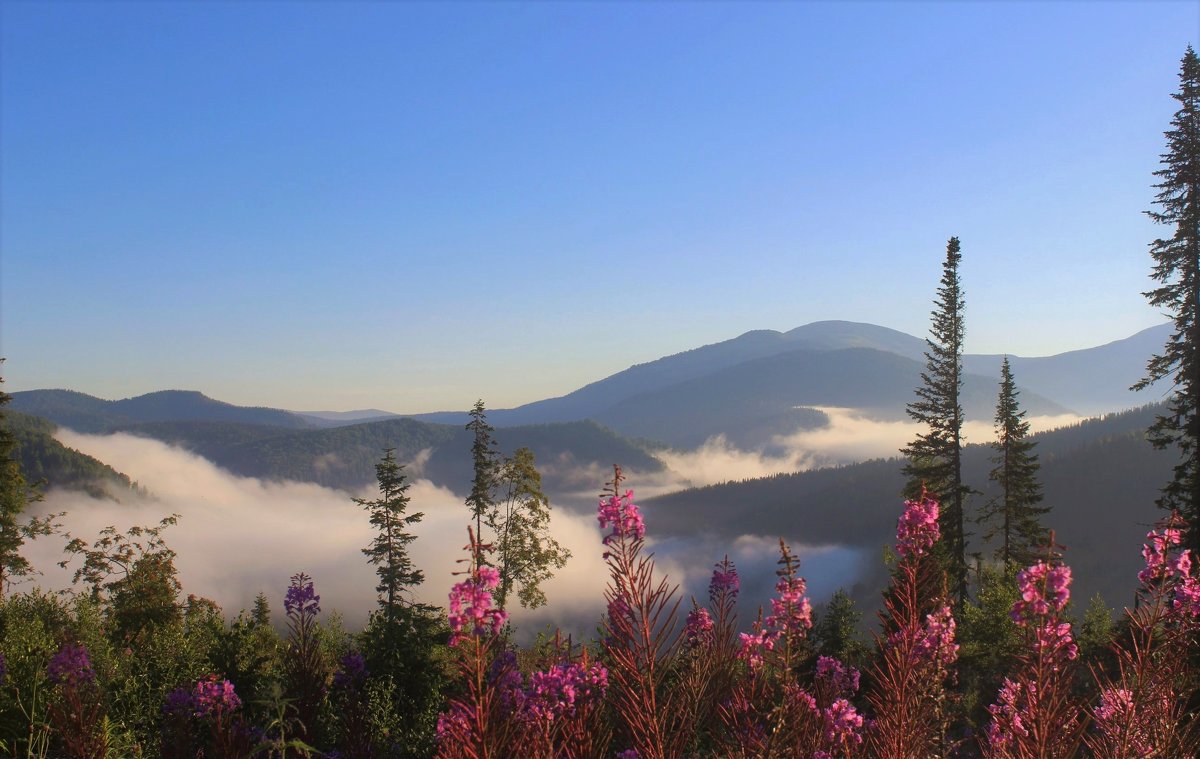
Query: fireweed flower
point(353, 672)
point(1119, 720)
point(471, 605)
point(71, 666)
point(564, 688)
point(1007, 727)
point(621, 513)
point(505, 677)
point(936, 641)
point(791, 611)
point(1156, 550)
point(179, 702)
point(1170, 568)
point(840, 679)
point(842, 723)
point(699, 627)
point(918, 528)
point(724, 580)
point(214, 697)
point(301, 598)
point(1045, 590)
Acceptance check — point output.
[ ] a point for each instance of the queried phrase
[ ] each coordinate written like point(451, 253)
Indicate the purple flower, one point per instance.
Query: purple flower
point(564, 688)
point(699, 628)
point(842, 680)
point(71, 666)
point(353, 672)
point(301, 599)
point(724, 580)
point(213, 696)
point(179, 702)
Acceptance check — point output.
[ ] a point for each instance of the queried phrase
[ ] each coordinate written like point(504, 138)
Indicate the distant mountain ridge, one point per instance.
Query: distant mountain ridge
point(86, 413)
point(683, 398)
point(751, 388)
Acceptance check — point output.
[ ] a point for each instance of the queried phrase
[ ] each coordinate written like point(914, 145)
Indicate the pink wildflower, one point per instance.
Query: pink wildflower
point(936, 641)
point(791, 611)
point(212, 696)
point(471, 605)
point(842, 723)
point(918, 528)
point(699, 628)
point(563, 688)
point(724, 580)
point(622, 514)
point(1007, 726)
point(840, 679)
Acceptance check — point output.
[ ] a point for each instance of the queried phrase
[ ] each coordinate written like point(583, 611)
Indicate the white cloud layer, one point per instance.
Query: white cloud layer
point(238, 536)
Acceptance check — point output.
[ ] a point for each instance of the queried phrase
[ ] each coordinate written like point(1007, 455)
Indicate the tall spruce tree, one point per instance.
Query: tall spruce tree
point(389, 549)
point(935, 457)
point(401, 637)
point(1177, 269)
point(1015, 513)
point(486, 463)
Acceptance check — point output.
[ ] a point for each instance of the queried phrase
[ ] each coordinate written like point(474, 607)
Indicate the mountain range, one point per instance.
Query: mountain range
point(752, 389)
point(1101, 477)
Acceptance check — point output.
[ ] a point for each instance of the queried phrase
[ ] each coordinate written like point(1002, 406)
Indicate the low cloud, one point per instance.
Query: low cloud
point(849, 436)
point(238, 536)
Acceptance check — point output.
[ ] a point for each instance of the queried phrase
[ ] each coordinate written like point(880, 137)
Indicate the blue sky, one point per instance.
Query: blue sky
point(409, 206)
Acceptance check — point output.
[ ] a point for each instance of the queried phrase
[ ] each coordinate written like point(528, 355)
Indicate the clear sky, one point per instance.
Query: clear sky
point(328, 205)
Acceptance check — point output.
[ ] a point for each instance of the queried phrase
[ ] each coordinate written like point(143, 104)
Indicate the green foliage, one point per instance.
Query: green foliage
point(935, 457)
point(485, 460)
point(45, 460)
point(836, 632)
point(1177, 270)
point(250, 654)
point(408, 664)
point(15, 495)
point(389, 549)
point(1016, 510)
point(30, 626)
point(134, 573)
point(1097, 631)
point(525, 552)
point(989, 640)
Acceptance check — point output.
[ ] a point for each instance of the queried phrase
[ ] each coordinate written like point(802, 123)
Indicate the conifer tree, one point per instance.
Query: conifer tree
point(15, 495)
point(1016, 510)
point(935, 457)
point(401, 636)
point(1177, 269)
point(389, 549)
point(486, 461)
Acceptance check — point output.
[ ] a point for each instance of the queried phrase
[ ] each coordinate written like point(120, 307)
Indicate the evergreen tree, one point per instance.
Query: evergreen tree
point(389, 550)
point(935, 457)
point(15, 495)
point(1177, 269)
point(486, 461)
point(400, 639)
point(1016, 509)
point(525, 552)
